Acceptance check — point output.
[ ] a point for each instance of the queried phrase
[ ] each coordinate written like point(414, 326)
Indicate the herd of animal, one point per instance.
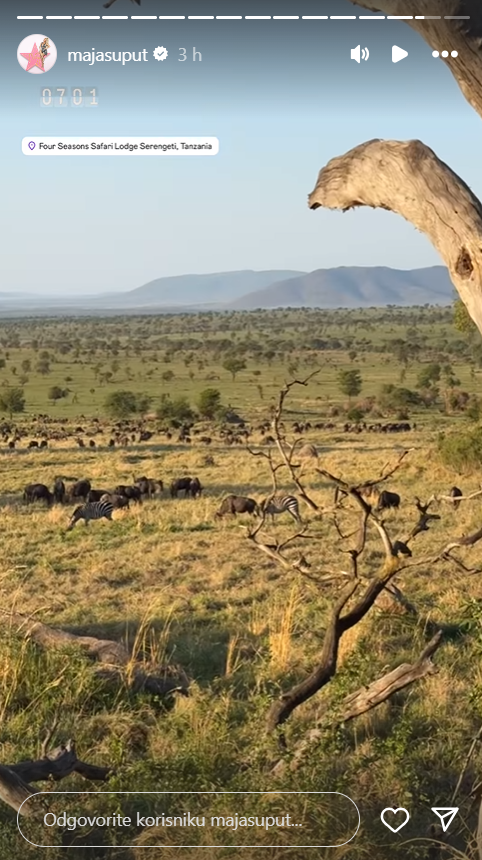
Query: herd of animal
point(100, 503)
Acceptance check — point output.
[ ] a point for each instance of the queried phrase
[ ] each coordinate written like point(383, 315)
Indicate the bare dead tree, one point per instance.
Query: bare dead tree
point(287, 455)
point(407, 177)
point(361, 585)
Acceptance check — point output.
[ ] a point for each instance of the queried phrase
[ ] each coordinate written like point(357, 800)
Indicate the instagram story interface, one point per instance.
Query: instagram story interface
point(240, 430)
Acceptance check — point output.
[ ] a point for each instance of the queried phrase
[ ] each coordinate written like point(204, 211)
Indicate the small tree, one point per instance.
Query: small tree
point(12, 401)
point(57, 393)
point(233, 365)
point(144, 403)
point(350, 383)
point(209, 403)
point(174, 410)
point(121, 404)
point(428, 376)
point(43, 367)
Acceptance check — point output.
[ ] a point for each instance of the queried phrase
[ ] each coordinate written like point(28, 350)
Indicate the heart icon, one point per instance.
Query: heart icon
point(395, 812)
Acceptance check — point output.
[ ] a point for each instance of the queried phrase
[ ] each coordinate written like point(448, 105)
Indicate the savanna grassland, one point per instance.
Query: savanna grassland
point(195, 593)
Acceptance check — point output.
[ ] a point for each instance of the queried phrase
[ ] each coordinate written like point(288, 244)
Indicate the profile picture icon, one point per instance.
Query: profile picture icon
point(37, 54)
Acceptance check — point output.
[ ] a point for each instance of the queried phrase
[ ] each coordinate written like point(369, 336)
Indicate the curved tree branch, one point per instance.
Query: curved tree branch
point(408, 178)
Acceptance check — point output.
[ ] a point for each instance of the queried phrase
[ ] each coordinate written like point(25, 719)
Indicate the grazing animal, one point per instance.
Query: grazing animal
point(37, 493)
point(455, 492)
point(95, 495)
point(388, 500)
point(115, 499)
point(91, 511)
point(180, 484)
point(195, 488)
point(59, 491)
point(381, 500)
point(132, 493)
point(148, 486)
point(32, 444)
point(280, 503)
point(238, 505)
point(44, 444)
point(80, 490)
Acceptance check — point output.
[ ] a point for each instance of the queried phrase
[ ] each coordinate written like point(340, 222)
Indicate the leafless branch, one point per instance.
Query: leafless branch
point(287, 458)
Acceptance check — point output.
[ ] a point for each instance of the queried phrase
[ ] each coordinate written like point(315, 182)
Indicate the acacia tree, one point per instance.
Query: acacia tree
point(407, 177)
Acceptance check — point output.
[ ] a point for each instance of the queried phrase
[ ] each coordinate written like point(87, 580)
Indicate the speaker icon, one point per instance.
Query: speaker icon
point(358, 52)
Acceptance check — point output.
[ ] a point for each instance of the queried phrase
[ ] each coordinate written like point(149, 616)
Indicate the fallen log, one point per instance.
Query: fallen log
point(115, 663)
point(57, 764)
point(365, 699)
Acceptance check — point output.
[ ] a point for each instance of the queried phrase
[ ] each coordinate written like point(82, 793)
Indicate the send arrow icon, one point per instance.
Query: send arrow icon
point(446, 815)
point(398, 54)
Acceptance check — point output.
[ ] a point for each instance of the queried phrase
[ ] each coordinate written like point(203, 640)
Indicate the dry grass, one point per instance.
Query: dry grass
point(181, 587)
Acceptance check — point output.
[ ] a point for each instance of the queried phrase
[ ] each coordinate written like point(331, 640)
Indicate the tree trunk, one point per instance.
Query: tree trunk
point(57, 764)
point(407, 177)
point(397, 176)
point(114, 662)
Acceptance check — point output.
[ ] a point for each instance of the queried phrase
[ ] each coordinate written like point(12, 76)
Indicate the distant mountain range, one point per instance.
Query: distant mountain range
point(343, 287)
point(354, 287)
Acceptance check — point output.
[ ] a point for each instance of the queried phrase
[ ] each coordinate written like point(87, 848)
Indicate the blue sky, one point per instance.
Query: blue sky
point(282, 97)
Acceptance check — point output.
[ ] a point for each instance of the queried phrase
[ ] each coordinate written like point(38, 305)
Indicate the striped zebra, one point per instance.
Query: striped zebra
point(280, 503)
point(91, 511)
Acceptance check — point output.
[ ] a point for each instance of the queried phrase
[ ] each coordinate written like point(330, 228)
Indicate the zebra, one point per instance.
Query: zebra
point(91, 511)
point(280, 503)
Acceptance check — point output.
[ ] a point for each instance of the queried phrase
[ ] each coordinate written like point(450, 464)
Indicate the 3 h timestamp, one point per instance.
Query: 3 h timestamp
point(69, 97)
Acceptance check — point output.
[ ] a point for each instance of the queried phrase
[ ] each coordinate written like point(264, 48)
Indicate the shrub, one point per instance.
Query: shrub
point(121, 404)
point(462, 451)
point(174, 410)
point(355, 414)
point(209, 403)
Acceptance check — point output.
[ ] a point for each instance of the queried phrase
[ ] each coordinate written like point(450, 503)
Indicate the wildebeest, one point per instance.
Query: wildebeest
point(388, 500)
point(115, 499)
point(455, 492)
point(130, 492)
point(59, 491)
point(95, 495)
point(181, 484)
point(149, 486)
point(195, 488)
point(37, 493)
point(80, 490)
point(32, 444)
point(238, 505)
point(381, 500)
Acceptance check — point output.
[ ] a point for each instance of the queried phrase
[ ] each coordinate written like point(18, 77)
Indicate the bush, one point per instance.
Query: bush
point(462, 451)
point(209, 403)
point(176, 410)
point(355, 414)
point(121, 404)
point(395, 398)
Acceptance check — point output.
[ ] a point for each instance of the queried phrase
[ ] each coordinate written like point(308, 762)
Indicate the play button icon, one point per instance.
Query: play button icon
point(398, 54)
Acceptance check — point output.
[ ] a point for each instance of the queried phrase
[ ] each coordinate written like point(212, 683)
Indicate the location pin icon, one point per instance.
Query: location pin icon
point(31, 145)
